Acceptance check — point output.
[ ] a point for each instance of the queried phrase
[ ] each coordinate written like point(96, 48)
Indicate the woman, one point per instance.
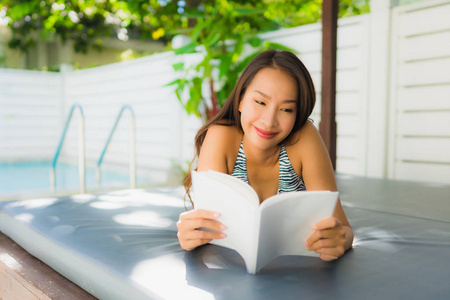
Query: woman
point(263, 136)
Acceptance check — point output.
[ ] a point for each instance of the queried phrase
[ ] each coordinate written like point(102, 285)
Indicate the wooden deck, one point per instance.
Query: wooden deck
point(22, 276)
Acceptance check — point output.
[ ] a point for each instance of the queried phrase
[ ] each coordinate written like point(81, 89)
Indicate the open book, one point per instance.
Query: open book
point(261, 232)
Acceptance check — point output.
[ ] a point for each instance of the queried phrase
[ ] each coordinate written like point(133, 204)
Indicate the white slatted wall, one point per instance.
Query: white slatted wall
point(30, 114)
point(420, 93)
point(351, 85)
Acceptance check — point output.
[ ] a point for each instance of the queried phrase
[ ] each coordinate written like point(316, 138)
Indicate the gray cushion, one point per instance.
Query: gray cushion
point(123, 245)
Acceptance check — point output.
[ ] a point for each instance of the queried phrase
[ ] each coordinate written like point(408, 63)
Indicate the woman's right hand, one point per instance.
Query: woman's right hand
point(191, 225)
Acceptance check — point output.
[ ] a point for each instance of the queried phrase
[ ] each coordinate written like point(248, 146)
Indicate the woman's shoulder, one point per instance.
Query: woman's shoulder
point(224, 131)
point(221, 144)
point(304, 142)
point(222, 135)
point(306, 134)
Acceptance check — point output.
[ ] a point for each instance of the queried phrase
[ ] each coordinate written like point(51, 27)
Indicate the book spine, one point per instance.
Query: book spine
point(255, 244)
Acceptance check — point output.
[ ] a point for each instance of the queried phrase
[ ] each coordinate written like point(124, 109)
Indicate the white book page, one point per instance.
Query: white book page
point(287, 220)
point(247, 191)
point(238, 214)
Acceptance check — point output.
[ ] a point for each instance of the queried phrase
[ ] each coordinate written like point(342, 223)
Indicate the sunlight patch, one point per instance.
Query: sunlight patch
point(160, 199)
point(107, 205)
point(82, 198)
point(143, 218)
point(35, 203)
point(10, 261)
point(165, 273)
point(25, 218)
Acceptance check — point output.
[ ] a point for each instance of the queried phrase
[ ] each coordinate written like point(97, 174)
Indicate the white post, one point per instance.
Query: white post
point(132, 151)
point(81, 154)
point(378, 105)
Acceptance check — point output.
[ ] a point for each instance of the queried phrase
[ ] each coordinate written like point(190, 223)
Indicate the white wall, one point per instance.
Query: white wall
point(30, 114)
point(420, 93)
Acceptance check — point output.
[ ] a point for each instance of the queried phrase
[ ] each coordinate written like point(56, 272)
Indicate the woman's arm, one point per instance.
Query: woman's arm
point(332, 236)
point(212, 157)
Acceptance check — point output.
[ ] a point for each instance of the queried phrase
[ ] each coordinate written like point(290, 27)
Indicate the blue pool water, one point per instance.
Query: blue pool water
point(33, 178)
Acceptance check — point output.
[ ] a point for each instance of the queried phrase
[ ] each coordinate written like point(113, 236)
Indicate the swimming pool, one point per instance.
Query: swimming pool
point(32, 178)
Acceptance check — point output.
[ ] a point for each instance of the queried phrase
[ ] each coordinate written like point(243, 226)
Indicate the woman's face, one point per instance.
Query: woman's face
point(269, 108)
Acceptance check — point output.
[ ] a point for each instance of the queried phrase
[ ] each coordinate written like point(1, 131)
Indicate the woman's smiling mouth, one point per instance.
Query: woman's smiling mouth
point(264, 133)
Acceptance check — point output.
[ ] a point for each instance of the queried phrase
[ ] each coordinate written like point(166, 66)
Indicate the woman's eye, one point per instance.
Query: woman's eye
point(260, 102)
point(287, 110)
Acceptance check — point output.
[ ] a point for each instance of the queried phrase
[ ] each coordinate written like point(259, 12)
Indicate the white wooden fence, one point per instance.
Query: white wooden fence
point(30, 114)
point(420, 93)
point(393, 109)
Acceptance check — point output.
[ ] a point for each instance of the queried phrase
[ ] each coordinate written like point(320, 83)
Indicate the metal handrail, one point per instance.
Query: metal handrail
point(81, 150)
point(132, 146)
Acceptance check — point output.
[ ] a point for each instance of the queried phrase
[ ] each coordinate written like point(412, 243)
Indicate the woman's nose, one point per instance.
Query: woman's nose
point(270, 118)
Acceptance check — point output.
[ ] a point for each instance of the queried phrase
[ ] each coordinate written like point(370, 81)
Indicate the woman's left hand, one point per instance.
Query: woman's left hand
point(328, 239)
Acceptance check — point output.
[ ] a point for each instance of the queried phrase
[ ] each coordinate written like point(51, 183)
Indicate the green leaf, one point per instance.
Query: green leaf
point(212, 39)
point(20, 10)
point(199, 27)
point(224, 66)
point(255, 41)
point(178, 66)
point(238, 48)
point(247, 11)
point(177, 81)
point(195, 93)
point(189, 48)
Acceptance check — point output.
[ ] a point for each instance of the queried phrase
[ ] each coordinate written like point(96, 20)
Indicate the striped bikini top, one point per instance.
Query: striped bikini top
point(289, 181)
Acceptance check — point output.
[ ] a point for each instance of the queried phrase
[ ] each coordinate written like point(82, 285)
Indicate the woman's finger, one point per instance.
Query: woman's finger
point(192, 244)
point(323, 243)
point(199, 213)
point(198, 227)
point(334, 252)
point(326, 257)
point(193, 224)
point(324, 234)
point(192, 239)
point(331, 222)
point(203, 235)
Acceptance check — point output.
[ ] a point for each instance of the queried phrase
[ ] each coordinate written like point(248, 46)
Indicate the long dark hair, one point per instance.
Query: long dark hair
point(229, 115)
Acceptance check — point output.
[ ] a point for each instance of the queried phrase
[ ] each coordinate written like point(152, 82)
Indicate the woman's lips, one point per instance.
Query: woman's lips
point(264, 133)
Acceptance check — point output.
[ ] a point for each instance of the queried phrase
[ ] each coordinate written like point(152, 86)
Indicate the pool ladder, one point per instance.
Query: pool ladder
point(81, 150)
point(132, 146)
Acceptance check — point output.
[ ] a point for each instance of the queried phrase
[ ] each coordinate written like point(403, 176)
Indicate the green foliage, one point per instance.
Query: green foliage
point(348, 8)
point(225, 35)
point(87, 21)
point(223, 32)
